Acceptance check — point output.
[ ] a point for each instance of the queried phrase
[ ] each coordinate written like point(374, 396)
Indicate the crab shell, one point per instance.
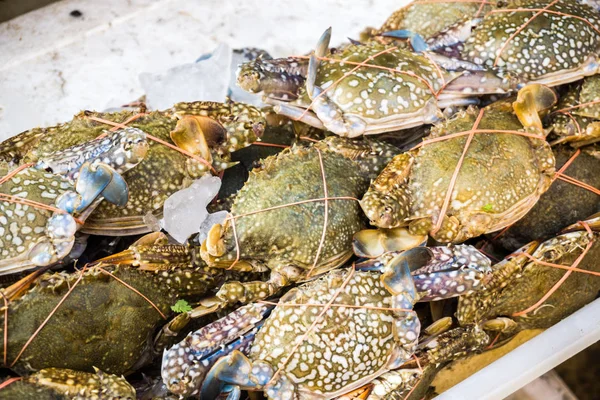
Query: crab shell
point(119, 323)
point(430, 18)
point(291, 235)
point(518, 283)
point(491, 191)
point(346, 349)
point(27, 232)
point(58, 383)
point(397, 89)
point(551, 49)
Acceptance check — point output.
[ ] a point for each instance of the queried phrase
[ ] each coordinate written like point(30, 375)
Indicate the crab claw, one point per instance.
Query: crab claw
point(197, 134)
point(237, 370)
point(94, 180)
point(122, 150)
point(186, 364)
point(417, 42)
point(214, 245)
point(371, 243)
point(533, 100)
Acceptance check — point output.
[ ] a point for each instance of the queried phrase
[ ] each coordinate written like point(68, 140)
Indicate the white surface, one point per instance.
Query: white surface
point(53, 65)
point(532, 359)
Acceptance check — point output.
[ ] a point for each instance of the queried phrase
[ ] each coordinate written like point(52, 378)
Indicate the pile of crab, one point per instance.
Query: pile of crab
point(410, 198)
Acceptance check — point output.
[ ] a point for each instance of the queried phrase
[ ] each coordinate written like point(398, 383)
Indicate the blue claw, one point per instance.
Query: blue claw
point(396, 276)
point(416, 41)
point(96, 180)
point(233, 370)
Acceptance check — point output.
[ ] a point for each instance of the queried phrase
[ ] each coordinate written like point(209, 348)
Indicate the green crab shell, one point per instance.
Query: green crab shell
point(21, 225)
point(347, 347)
point(118, 321)
point(291, 235)
point(549, 45)
point(428, 19)
point(376, 94)
point(491, 190)
point(517, 288)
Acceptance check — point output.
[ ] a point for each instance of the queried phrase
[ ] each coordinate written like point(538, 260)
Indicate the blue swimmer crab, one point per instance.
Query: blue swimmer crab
point(521, 281)
point(372, 88)
point(550, 43)
point(123, 305)
point(207, 130)
point(412, 190)
point(379, 298)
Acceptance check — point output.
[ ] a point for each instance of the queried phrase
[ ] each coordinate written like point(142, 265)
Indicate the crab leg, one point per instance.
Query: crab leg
point(152, 252)
point(185, 365)
point(441, 272)
point(121, 150)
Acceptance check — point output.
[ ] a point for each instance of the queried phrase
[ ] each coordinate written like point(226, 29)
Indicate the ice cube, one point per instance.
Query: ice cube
point(206, 80)
point(185, 211)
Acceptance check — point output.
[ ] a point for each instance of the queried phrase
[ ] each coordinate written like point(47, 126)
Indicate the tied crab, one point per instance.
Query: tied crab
point(550, 43)
point(291, 354)
point(295, 216)
point(533, 288)
point(59, 384)
point(202, 135)
point(372, 88)
point(105, 315)
point(42, 206)
point(416, 17)
point(379, 306)
point(310, 198)
point(420, 191)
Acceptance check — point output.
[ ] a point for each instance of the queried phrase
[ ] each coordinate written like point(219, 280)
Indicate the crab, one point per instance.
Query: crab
point(563, 204)
point(122, 305)
point(418, 17)
point(520, 282)
point(576, 119)
point(455, 271)
point(294, 241)
point(411, 191)
point(379, 308)
point(66, 187)
point(550, 43)
point(206, 129)
point(58, 383)
point(394, 89)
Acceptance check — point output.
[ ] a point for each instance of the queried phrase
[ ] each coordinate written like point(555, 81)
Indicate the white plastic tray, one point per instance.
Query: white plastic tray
point(532, 359)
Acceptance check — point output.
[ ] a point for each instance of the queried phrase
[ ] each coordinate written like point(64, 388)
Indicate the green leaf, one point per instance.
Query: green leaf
point(488, 207)
point(181, 306)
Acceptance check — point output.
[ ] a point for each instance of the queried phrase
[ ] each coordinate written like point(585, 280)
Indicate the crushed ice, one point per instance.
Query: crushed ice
point(207, 80)
point(185, 211)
